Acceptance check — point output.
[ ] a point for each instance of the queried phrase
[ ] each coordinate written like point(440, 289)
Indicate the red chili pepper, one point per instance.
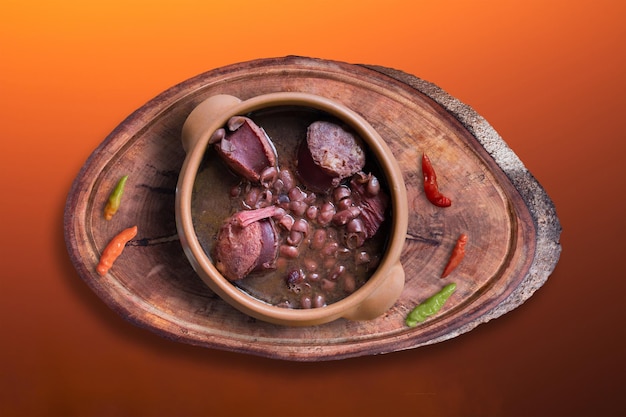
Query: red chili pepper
point(114, 249)
point(458, 253)
point(431, 188)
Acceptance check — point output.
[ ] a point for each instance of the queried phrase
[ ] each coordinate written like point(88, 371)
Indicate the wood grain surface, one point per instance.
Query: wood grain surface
point(512, 227)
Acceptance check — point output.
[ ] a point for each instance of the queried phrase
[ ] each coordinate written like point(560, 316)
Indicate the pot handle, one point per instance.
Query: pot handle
point(382, 298)
point(203, 116)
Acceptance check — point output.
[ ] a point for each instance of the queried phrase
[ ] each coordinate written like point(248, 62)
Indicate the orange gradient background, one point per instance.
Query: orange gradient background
point(548, 75)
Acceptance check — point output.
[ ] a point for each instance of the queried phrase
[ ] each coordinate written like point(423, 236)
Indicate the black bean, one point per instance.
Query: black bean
point(305, 302)
point(344, 204)
point(319, 301)
point(355, 236)
point(295, 276)
point(279, 213)
point(301, 226)
point(343, 217)
point(235, 191)
point(319, 239)
point(252, 197)
point(310, 198)
point(217, 136)
point(340, 193)
point(337, 272)
point(268, 176)
point(361, 258)
point(289, 251)
point(313, 277)
point(298, 207)
point(311, 212)
point(279, 185)
point(343, 252)
point(296, 194)
point(286, 221)
point(235, 122)
point(282, 198)
point(373, 186)
point(310, 264)
point(265, 199)
point(326, 213)
point(295, 237)
point(327, 285)
point(285, 176)
point(355, 225)
point(330, 249)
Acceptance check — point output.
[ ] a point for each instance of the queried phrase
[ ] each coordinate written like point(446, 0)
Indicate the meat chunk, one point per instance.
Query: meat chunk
point(329, 154)
point(246, 148)
point(247, 242)
point(372, 204)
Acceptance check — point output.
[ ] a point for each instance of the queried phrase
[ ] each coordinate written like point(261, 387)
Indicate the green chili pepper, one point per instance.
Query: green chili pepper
point(113, 204)
point(430, 306)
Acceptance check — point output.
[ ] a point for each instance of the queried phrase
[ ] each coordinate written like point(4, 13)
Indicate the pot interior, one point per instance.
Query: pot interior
point(320, 274)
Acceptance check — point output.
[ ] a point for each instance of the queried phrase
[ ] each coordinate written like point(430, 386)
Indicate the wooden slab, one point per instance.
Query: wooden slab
point(511, 222)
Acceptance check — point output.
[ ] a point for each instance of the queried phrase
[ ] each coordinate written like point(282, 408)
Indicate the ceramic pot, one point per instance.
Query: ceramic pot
point(371, 300)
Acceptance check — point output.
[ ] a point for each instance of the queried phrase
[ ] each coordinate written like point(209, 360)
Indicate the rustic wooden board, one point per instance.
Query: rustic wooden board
point(511, 222)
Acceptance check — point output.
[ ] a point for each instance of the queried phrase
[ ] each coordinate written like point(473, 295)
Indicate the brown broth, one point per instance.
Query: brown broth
point(295, 282)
